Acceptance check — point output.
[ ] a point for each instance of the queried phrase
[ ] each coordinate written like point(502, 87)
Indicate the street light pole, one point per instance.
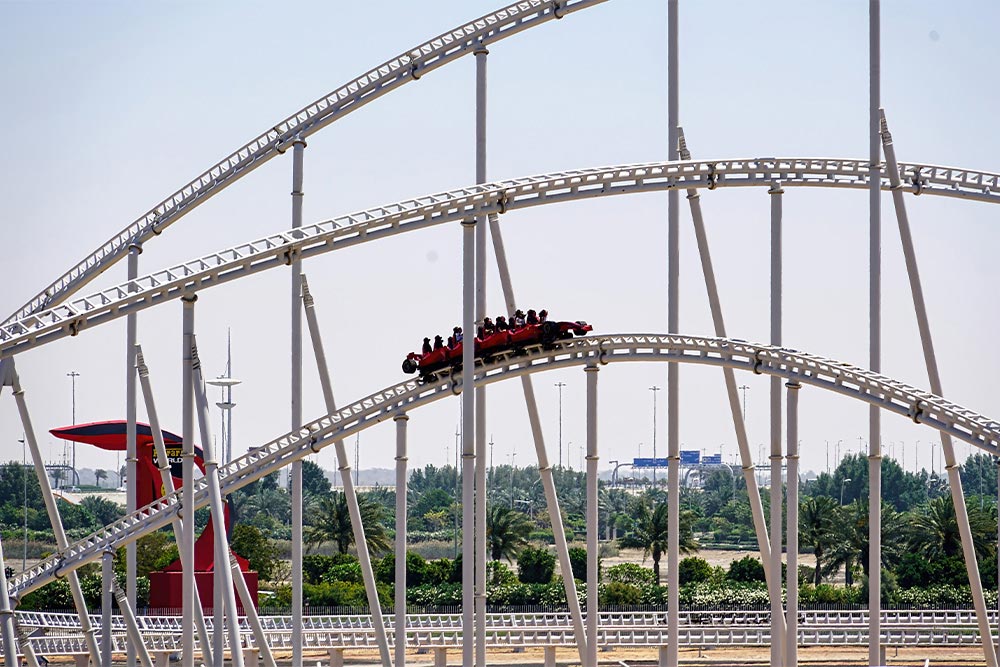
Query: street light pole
point(560, 385)
point(73, 375)
point(654, 389)
point(842, 484)
point(744, 388)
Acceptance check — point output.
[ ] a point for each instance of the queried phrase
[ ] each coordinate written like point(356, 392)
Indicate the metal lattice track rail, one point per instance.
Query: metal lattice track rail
point(811, 370)
point(406, 67)
point(279, 249)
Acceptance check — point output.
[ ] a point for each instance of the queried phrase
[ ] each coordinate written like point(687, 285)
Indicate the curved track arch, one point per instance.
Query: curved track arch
point(376, 82)
point(70, 318)
point(810, 370)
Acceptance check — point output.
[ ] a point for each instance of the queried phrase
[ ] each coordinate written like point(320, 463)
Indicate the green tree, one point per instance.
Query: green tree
point(934, 530)
point(104, 510)
point(649, 533)
point(250, 543)
point(818, 529)
point(99, 476)
point(507, 532)
point(536, 566)
point(331, 522)
point(314, 481)
point(851, 547)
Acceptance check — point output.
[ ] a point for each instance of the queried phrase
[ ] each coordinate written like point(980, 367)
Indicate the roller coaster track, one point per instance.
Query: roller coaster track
point(70, 318)
point(406, 67)
point(809, 370)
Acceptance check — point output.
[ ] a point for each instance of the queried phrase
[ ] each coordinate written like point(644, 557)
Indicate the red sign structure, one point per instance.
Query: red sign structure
point(165, 586)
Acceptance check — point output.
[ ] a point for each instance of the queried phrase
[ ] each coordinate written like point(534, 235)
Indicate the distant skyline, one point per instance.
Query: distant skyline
point(112, 106)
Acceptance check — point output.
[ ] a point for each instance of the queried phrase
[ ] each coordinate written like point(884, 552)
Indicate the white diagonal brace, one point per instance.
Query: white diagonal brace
point(53, 511)
point(930, 360)
point(218, 519)
point(715, 304)
point(360, 543)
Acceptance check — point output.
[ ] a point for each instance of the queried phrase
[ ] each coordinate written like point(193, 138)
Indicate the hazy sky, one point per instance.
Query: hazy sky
point(111, 106)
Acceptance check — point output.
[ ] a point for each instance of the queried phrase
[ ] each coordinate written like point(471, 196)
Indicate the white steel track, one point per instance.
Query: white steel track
point(407, 66)
point(75, 315)
point(809, 370)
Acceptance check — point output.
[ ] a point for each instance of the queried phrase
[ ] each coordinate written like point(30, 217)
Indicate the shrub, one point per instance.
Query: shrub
point(578, 561)
point(438, 571)
point(498, 574)
point(535, 566)
point(617, 593)
point(416, 569)
point(314, 566)
point(747, 569)
point(694, 570)
point(630, 573)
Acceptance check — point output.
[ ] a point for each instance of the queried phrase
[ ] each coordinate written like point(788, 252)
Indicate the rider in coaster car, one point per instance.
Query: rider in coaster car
point(543, 316)
point(457, 331)
point(518, 318)
point(451, 342)
point(427, 346)
point(486, 329)
point(532, 317)
point(438, 342)
point(501, 324)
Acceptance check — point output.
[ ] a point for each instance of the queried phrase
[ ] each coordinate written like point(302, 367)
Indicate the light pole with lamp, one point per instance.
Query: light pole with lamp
point(654, 389)
point(24, 479)
point(843, 483)
point(560, 385)
point(513, 455)
point(73, 375)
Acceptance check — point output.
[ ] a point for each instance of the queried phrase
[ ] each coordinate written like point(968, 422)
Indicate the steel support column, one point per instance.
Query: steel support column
point(468, 444)
point(930, 360)
point(343, 465)
point(107, 593)
point(673, 371)
point(774, 565)
point(222, 574)
point(167, 480)
point(7, 616)
point(593, 550)
point(792, 583)
point(298, 149)
point(53, 512)
point(131, 450)
point(189, 595)
point(399, 634)
point(480, 393)
point(874, 336)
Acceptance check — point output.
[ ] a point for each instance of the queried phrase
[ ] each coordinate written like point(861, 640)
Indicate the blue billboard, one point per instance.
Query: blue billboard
point(690, 457)
point(712, 460)
point(649, 463)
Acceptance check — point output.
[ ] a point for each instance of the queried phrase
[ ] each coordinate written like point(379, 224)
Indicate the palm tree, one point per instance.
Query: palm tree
point(99, 476)
point(331, 522)
point(507, 532)
point(934, 531)
point(851, 546)
point(649, 533)
point(818, 528)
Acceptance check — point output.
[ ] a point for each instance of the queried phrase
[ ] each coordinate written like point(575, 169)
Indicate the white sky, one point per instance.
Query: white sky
point(111, 106)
